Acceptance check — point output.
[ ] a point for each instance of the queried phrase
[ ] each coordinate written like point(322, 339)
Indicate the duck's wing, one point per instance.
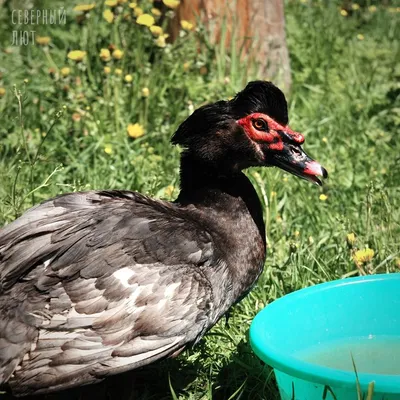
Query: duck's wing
point(97, 283)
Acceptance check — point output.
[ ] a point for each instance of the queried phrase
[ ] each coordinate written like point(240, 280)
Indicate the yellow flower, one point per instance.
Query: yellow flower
point(186, 25)
point(26, 81)
point(360, 36)
point(111, 3)
point(76, 55)
point(156, 30)
point(145, 92)
point(355, 6)
point(363, 256)
point(323, 197)
point(65, 71)
point(85, 7)
point(343, 13)
point(132, 5)
point(146, 20)
point(169, 190)
point(171, 3)
point(108, 16)
point(43, 40)
point(273, 194)
point(186, 65)
point(105, 54)
point(156, 12)
point(397, 262)
point(137, 11)
point(118, 54)
point(135, 130)
point(325, 140)
point(118, 71)
point(108, 149)
point(297, 233)
point(372, 8)
point(107, 70)
point(160, 42)
point(128, 78)
point(2, 91)
point(351, 239)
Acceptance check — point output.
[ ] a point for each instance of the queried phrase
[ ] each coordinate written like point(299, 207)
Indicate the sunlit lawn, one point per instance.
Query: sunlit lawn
point(105, 122)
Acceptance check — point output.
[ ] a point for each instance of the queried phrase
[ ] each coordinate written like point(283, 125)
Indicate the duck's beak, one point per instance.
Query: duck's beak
point(292, 158)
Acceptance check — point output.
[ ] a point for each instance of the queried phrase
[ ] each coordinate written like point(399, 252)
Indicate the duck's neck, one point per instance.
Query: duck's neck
point(205, 186)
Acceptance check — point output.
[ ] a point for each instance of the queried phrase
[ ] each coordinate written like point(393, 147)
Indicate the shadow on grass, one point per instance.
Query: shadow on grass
point(245, 377)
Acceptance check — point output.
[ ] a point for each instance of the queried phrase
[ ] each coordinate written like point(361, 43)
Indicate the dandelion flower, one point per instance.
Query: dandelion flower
point(118, 71)
point(137, 11)
point(360, 36)
point(156, 12)
point(132, 5)
point(117, 54)
point(84, 7)
point(108, 16)
point(355, 6)
point(372, 8)
point(2, 91)
point(146, 20)
point(351, 239)
point(171, 3)
point(135, 130)
point(128, 78)
point(65, 71)
point(107, 70)
point(343, 13)
point(43, 40)
point(186, 25)
point(363, 256)
point(273, 194)
point(111, 3)
point(156, 30)
point(169, 190)
point(108, 149)
point(105, 55)
point(145, 92)
point(325, 140)
point(186, 65)
point(160, 42)
point(76, 55)
point(323, 197)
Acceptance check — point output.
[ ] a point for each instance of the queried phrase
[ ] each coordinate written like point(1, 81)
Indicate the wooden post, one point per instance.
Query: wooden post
point(259, 26)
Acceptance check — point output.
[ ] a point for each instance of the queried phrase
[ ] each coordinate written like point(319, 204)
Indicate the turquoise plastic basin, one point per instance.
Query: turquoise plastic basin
point(356, 309)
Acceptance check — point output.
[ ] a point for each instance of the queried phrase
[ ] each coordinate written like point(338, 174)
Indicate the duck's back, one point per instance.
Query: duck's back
point(97, 283)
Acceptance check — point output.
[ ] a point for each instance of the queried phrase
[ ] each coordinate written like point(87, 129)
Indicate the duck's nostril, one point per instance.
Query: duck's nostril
point(296, 151)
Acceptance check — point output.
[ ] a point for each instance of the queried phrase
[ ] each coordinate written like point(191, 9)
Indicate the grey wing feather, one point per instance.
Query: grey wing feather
point(98, 283)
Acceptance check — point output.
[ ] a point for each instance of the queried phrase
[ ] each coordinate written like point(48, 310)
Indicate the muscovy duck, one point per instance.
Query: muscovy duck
point(100, 282)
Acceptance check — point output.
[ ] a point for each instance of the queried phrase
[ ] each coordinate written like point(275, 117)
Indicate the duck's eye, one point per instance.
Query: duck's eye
point(260, 124)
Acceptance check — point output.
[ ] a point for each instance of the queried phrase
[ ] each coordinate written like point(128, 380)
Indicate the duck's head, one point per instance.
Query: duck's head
point(249, 130)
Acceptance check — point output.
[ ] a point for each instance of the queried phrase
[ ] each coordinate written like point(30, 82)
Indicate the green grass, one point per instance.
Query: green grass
point(345, 99)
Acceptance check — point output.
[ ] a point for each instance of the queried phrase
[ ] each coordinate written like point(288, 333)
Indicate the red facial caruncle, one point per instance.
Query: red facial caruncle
point(262, 128)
